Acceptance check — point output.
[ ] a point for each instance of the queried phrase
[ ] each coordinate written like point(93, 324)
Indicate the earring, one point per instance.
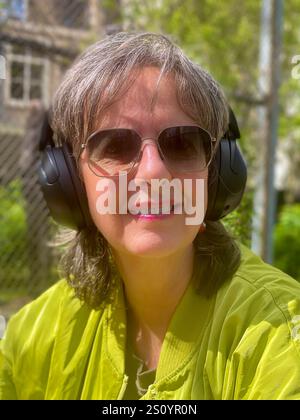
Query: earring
point(202, 227)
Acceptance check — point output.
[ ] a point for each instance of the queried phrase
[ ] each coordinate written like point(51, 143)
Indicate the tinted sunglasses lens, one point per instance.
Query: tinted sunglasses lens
point(186, 148)
point(111, 151)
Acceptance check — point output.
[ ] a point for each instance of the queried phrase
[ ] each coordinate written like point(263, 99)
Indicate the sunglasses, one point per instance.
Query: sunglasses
point(182, 148)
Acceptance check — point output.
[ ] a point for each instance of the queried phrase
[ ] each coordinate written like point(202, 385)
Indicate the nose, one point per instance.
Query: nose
point(151, 164)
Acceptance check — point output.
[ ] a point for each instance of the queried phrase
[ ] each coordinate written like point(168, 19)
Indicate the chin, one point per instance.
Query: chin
point(153, 245)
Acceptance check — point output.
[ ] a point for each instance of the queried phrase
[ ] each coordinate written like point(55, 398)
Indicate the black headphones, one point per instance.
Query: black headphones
point(66, 197)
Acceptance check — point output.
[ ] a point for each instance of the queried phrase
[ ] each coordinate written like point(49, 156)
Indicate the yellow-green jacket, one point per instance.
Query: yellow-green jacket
point(243, 343)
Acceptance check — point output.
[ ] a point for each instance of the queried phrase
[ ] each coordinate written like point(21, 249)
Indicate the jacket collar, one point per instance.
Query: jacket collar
point(185, 330)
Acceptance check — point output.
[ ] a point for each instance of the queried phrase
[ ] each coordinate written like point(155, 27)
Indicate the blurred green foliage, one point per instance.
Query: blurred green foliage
point(12, 216)
point(238, 223)
point(287, 241)
point(13, 241)
point(17, 271)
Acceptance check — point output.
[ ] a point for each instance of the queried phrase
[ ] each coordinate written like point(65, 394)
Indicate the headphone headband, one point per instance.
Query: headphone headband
point(233, 132)
point(46, 137)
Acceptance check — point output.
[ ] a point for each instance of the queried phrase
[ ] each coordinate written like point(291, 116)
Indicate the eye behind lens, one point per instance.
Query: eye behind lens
point(186, 148)
point(114, 150)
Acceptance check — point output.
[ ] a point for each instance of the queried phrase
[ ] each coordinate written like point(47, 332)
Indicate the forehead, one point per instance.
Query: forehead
point(150, 99)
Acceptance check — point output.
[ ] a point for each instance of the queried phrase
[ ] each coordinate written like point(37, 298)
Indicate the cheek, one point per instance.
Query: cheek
point(98, 190)
point(197, 189)
point(200, 198)
point(90, 182)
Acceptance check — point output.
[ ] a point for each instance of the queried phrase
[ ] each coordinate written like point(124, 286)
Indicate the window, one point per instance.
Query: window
point(15, 9)
point(27, 76)
point(17, 80)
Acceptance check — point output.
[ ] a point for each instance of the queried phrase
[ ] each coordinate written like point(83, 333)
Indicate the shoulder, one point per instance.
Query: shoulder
point(31, 332)
point(52, 324)
point(263, 280)
point(38, 319)
point(256, 318)
point(259, 273)
point(260, 290)
point(48, 303)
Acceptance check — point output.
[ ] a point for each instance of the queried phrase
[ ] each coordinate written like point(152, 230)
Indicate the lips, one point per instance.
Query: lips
point(155, 208)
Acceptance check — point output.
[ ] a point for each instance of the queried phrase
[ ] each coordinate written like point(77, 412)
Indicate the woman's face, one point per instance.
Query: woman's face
point(155, 236)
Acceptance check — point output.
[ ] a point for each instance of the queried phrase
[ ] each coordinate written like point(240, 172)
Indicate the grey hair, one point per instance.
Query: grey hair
point(102, 74)
point(98, 78)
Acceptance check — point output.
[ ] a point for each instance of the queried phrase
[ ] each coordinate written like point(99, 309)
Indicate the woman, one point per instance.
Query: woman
point(162, 309)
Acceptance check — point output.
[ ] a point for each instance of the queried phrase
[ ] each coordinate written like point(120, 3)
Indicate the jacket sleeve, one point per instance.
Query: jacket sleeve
point(275, 364)
point(25, 350)
point(266, 361)
point(254, 352)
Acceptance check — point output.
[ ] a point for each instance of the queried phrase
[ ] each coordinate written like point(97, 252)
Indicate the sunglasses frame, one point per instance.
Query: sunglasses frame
point(83, 146)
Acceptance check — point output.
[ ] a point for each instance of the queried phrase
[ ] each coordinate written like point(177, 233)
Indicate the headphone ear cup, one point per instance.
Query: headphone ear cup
point(62, 188)
point(228, 172)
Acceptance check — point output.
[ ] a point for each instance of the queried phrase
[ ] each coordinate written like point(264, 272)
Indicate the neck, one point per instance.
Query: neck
point(153, 288)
